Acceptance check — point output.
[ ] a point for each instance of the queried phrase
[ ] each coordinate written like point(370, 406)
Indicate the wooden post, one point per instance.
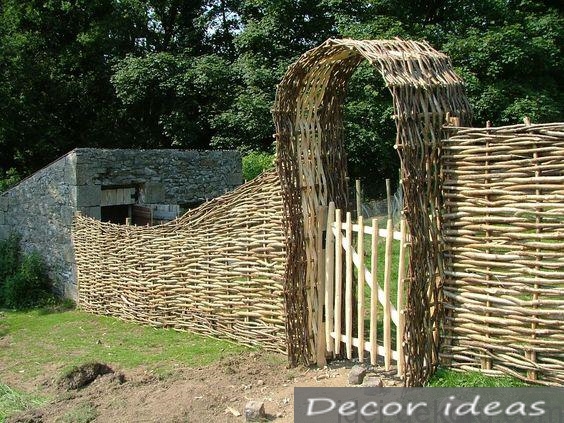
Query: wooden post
point(358, 195)
point(387, 278)
point(374, 295)
point(349, 286)
point(329, 277)
point(320, 341)
point(360, 289)
point(400, 302)
point(338, 278)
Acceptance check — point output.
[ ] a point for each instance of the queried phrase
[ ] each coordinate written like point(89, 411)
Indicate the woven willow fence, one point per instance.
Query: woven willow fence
point(503, 223)
point(312, 164)
point(217, 270)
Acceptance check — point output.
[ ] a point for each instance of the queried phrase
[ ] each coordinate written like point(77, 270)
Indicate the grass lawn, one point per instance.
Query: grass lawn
point(36, 338)
point(444, 378)
point(12, 401)
point(36, 341)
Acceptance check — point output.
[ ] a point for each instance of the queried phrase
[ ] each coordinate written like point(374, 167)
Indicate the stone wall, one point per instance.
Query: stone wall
point(41, 208)
point(40, 211)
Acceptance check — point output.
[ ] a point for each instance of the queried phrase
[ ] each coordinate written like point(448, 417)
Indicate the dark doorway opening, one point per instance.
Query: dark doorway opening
point(116, 214)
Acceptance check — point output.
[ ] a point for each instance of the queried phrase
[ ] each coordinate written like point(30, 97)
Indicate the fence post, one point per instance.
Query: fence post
point(329, 276)
point(338, 279)
point(360, 289)
point(349, 287)
point(320, 342)
point(374, 295)
point(400, 303)
point(387, 277)
point(358, 195)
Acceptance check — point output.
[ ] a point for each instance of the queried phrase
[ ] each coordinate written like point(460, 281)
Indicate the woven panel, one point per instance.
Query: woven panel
point(217, 270)
point(503, 192)
point(312, 167)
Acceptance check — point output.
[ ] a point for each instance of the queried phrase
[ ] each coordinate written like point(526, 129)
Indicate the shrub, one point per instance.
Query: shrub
point(8, 179)
point(9, 260)
point(255, 163)
point(24, 282)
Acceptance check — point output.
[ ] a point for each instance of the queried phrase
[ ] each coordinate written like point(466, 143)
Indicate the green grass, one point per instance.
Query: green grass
point(450, 378)
point(12, 401)
point(83, 413)
point(34, 340)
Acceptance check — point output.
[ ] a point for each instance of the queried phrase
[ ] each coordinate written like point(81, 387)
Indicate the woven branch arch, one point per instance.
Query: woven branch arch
point(312, 165)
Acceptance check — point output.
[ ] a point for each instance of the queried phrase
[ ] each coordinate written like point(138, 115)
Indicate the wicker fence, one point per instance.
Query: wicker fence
point(503, 228)
point(218, 270)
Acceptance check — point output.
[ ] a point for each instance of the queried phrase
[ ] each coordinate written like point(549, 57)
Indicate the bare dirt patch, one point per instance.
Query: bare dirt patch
point(215, 393)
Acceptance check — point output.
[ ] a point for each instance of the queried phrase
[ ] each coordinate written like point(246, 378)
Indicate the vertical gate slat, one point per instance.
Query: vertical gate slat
point(329, 277)
point(387, 278)
point(374, 295)
point(348, 286)
point(338, 278)
point(400, 296)
point(360, 292)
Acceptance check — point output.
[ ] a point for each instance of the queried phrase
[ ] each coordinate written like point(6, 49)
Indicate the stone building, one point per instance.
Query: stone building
point(140, 186)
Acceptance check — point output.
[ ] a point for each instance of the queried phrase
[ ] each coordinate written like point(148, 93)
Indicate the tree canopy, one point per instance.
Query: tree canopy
point(203, 73)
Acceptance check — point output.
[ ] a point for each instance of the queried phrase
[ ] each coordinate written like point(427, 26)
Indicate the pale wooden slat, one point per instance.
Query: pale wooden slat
point(368, 346)
point(387, 280)
point(360, 291)
point(338, 278)
point(349, 286)
point(400, 300)
point(329, 277)
point(374, 295)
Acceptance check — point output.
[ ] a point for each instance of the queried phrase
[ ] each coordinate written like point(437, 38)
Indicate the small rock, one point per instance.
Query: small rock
point(356, 375)
point(260, 382)
point(254, 411)
point(232, 411)
point(373, 382)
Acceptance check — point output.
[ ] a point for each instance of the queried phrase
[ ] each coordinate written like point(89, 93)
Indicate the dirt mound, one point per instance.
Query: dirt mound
point(215, 393)
point(31, 416)
point(79, 377)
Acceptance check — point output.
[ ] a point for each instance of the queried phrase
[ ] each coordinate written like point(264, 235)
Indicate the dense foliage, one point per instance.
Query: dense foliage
point(255, 163)
point(24, 282)
point(203, 73)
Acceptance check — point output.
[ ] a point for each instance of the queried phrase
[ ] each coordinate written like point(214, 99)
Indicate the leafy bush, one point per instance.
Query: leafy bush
point(9, 256)
point(9, 261)
point(30, 286)
point(255, 163)
point(8, 179)
point(23, 279)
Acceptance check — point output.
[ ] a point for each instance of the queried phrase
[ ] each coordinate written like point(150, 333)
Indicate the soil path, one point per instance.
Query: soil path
point(216, 393)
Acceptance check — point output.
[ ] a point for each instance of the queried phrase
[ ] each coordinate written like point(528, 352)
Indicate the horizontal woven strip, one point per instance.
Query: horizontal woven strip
point(503, 228)
point(218, 270)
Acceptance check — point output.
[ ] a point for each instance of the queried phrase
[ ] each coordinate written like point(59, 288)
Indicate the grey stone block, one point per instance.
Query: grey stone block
point(254, 411)
point(88, 195)
point(356, 375)
point(154, 193)
point(373, 381)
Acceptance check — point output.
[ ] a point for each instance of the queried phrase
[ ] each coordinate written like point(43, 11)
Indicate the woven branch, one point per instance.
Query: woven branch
point(312, 166)
point(218, 270)
point(503, 224)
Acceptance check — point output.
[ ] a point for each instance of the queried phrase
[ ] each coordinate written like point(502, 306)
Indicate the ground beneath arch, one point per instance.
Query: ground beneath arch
point(215, 393)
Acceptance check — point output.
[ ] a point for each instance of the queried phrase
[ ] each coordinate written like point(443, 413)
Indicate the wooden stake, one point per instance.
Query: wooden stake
point(349, 287)
point(360, 290)
point(329, 277)
point(374, 294)
point(358, 195)
point(400, 303)
point(387, 278)
point(338, 279)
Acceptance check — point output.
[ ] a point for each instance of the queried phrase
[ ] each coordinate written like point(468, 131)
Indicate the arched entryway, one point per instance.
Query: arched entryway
point(312, 168)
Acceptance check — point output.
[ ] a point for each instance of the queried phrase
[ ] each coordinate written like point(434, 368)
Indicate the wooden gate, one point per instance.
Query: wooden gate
point(364, 295)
